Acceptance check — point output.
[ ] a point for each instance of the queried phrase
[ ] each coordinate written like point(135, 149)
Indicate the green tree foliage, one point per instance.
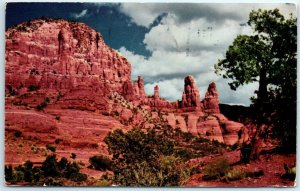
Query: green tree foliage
point(73, 156)
point(51, 148)
point(137, 145)
point(52, 172)
point(100, 162)
point(144, 158)
point(268, 57)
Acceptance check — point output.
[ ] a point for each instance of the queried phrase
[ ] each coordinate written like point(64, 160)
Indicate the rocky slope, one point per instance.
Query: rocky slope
point(66, 87)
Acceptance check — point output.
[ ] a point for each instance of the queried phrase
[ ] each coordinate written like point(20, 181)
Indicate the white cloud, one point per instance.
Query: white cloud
point(189, 42)
point(83, 13)
point(144, 14)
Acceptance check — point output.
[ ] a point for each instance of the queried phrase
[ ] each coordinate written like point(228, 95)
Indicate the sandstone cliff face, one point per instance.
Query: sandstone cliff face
point(61, 55)
point(70, 65)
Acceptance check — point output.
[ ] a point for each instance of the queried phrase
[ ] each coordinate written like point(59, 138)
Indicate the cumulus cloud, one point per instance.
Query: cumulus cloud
point(189, 39)
point(83, 13)
point(145, 13)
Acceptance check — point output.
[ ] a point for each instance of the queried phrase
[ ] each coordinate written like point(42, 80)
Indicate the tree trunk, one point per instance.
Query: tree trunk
point(260, 110)
point(262, 93)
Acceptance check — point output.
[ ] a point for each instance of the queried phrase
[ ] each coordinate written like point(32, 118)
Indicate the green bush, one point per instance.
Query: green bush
point(52, 172)
point(167, 172)
point(18, 176)
point(73, 156)
point(235, 175)
point(102, 183)
point(216, 169)
point(51, 148)
point(184, 154)
point(18, 133)
point(100, 162)
point(58, 140)
point(50, 166)
point(8, 173)
point(145, 158)
point(290, 173)
point(43, 104)
point(137, 145)
point(201, 140)
point(33, 88)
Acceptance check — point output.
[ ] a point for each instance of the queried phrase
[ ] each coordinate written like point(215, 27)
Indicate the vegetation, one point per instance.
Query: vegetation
point(100, 162)
point(145, 158)
point(235, 175)
point(268, 57)
point(290, 173)
point(51, 148)
point(73, 156)
point(52, 172)
point(216, 169)
point(33, 88)
point(43, 104)
point(18, 133)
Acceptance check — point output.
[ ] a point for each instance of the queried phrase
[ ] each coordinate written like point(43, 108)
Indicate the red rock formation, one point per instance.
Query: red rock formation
point(139, 88)
point(156, 92)
point(71, 62)
point(211, 100)
point(190, 96)
point(156, 102)
point(56, 54)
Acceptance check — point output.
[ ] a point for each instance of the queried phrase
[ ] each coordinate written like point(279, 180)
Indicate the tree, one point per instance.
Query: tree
point(143, 158)
point(269, 58)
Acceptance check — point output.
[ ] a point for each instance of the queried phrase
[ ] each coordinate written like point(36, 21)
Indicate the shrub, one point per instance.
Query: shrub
point(290, 173)
point(59, 95)
point(18, 176)
point(50, 166)
point(235, 175)
point(43, 104)
point(45, 174)
point(73, 156)
point(201, 140)
point(8, 173)
point(71, 170)
point(105, 113)
point(100, 162)
point(216, 169)
point(63, 163)
point(116, 113)
point(145, 158)
point(168, 171)
point(136, 145)
point(78, 177)
point(33, 88)
point(18, 134)
point(185, 154)
point(51, 148)
point(58, 140)
point(103, 183)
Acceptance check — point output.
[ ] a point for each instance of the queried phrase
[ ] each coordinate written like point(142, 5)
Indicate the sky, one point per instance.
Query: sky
point(164, 42)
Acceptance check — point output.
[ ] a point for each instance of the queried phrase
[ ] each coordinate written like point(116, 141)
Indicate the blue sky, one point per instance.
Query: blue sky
point(163, 42)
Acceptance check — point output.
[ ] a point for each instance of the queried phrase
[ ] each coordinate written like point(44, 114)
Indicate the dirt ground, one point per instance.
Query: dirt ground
point(271, 164)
